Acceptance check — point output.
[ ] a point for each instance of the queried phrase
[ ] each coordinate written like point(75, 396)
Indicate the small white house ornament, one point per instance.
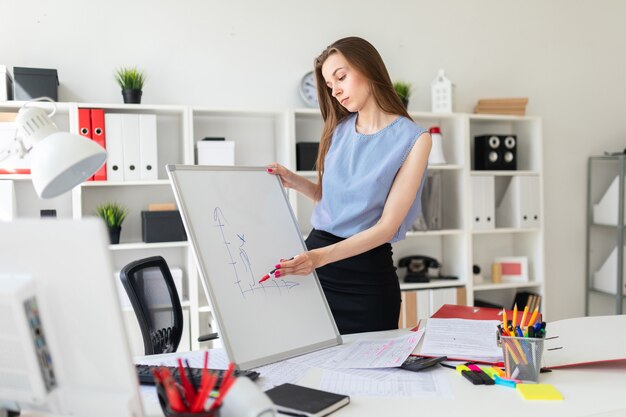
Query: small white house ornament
point(441, 94)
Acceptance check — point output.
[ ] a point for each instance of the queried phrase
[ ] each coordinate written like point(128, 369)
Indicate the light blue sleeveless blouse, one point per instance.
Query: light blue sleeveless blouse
point(358, 173)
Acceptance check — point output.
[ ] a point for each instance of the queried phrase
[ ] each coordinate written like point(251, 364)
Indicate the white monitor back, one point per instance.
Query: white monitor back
point(69, 264)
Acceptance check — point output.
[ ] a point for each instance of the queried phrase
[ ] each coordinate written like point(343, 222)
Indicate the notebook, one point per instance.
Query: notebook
point(297, 400)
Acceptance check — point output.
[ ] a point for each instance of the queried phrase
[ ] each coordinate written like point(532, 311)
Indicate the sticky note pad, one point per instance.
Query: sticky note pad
point(539, 392)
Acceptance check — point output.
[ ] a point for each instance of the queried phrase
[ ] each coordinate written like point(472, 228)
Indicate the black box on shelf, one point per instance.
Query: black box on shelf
point(30, 83)
point(495, 152)
point(162, 226)
point(306, 155)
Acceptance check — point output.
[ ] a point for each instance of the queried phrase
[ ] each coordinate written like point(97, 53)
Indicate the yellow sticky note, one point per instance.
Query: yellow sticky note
point(539, 392)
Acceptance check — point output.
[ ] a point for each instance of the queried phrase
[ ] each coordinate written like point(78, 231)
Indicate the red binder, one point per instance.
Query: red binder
point(451, 311)
point(98, 135)
point(84, 126)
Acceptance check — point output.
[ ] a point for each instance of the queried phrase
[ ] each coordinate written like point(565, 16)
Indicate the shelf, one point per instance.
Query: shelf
point(610, 294)
point(15, 177)
point(504, 173)
point(204, 309)
point(445, 232)
point(505, 230)
point(131, 108)
point(448, 283)
point(123, 183)
point(506, 286)
point(143, 245)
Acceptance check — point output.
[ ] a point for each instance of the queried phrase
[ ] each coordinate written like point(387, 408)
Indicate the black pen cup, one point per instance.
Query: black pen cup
point(167, 409)
point(522, 357)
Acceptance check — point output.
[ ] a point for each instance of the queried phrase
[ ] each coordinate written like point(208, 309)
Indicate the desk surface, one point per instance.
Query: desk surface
point(590, 390)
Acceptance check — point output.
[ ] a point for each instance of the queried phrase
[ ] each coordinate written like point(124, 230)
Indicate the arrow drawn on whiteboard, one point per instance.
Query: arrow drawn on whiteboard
point(245, 280)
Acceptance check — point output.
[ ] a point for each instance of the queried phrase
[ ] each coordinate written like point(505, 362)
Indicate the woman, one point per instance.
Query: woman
point(371, 162)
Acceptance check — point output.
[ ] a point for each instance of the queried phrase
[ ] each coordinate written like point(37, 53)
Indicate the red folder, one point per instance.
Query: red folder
point(84, 126)
point(450, 311)
point(98, 135)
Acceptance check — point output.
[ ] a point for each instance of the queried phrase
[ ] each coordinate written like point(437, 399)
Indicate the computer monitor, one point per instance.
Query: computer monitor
point(63, 347)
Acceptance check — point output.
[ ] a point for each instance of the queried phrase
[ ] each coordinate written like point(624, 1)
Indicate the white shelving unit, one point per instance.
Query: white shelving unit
point(264, 136)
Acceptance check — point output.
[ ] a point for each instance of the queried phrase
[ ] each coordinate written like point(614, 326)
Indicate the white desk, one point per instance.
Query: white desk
point(591, 390)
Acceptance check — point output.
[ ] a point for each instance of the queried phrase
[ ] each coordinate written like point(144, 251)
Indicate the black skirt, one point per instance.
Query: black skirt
point(363, 291)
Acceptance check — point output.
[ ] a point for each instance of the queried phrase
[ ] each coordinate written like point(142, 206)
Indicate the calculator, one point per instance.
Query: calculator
point(418, 363)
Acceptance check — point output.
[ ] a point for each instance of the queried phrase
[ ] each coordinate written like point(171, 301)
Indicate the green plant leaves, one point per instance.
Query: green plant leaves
point(113, 214)
point(130, 78)
point(403, 89)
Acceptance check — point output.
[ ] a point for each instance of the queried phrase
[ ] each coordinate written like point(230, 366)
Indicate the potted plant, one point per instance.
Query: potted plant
point(131, 81)
point(403, 89)
point(113, 215)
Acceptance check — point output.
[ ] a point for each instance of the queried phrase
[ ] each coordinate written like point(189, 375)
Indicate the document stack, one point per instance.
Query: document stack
point(514, 106)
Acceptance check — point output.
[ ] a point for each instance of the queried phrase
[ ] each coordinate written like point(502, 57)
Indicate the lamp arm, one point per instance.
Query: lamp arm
point(16, 147)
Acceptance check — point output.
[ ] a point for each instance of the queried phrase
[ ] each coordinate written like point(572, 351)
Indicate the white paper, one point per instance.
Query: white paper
point(280, 373)
point(377, 353)
point(397, 383)
point(460, 338)
point(318, 358)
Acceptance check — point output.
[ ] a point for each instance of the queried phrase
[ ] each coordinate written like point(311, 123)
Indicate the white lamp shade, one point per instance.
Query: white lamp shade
point(61, 161)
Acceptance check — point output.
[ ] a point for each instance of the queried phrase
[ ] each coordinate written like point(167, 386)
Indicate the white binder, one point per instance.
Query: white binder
point(441, 296)
point(483, 202)
point(531, 198)
point(520, 206)
point(115, 147)
point(132, 160)
point(148, 147)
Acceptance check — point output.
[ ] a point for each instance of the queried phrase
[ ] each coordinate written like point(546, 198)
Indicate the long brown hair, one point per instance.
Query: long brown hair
point(364, 58)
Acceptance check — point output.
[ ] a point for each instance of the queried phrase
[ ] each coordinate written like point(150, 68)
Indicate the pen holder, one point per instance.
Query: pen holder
point(522, 357)
point(167, 410)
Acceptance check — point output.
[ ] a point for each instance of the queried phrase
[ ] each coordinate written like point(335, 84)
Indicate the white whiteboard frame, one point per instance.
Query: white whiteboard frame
point(206, 283)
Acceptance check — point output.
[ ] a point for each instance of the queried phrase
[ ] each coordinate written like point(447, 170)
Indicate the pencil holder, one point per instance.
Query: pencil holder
point(167, 410)
point(522, 357)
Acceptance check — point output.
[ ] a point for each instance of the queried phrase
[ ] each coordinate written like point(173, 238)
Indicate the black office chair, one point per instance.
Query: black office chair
point(152, 293)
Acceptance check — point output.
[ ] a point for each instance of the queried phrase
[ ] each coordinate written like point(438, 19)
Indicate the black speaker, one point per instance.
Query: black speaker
point(495, 152)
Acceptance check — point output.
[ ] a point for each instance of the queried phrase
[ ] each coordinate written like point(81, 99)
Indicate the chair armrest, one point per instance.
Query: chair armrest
point(207, 337)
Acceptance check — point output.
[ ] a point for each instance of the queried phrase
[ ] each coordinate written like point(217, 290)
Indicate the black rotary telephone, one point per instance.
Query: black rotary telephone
point(418, 267)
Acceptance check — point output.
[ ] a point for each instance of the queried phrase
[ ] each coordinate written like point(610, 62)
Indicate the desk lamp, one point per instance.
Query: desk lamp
point(59, 160)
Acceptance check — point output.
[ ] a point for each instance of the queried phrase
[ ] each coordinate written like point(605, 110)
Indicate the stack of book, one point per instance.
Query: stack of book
point(514, 106)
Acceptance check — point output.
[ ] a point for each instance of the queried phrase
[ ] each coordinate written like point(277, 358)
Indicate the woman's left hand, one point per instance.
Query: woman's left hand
point(302, 264)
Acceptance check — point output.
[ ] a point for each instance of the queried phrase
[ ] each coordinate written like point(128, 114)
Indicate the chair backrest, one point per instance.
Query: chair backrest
point(152, 293)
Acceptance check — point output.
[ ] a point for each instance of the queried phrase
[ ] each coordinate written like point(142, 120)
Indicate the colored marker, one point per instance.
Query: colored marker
point(272, 272)
point(531, 322)
point(521, 324)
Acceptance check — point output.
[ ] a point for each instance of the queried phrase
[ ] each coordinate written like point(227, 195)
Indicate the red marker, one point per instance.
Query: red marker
point(272, 272)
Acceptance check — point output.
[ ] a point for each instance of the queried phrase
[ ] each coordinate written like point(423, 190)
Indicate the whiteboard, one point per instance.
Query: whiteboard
point(240, 224)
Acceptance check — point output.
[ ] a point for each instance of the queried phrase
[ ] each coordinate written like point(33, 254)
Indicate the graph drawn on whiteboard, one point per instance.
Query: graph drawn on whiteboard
point(240, 224)
point(245, 277)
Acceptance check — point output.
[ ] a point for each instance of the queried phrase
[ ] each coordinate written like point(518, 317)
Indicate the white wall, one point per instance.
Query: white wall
point(568, 57)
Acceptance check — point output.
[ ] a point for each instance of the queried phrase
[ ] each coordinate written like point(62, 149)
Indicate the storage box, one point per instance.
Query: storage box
point(162, 226)
point(6, 84)
point(605, 278)
point(216, 151)
point(31, 83)
point(605, 212)
point(306, 155)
